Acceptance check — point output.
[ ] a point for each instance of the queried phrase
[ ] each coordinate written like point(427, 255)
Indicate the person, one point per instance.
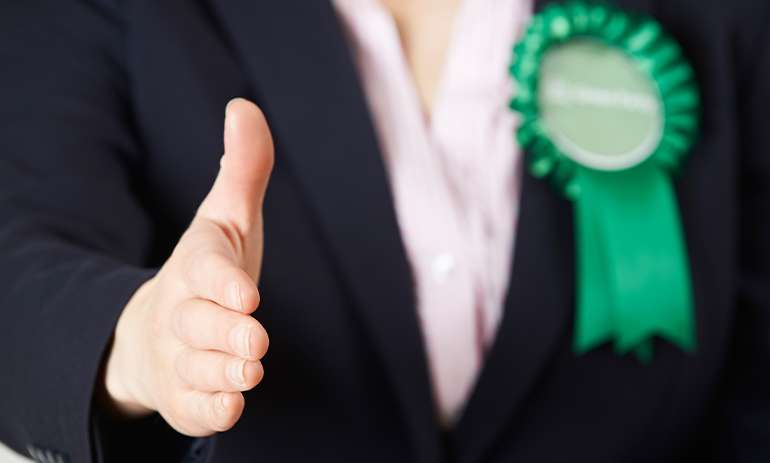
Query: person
point(141, 271)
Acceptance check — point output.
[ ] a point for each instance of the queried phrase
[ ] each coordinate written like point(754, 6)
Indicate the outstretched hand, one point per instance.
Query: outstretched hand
point(185, 344)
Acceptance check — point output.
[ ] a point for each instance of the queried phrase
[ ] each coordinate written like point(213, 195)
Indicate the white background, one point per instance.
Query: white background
point(9, 456)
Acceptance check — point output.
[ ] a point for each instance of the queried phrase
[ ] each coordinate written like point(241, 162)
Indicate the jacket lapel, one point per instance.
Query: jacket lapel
point(538, 311)
point(537, 314)
point(295, 55)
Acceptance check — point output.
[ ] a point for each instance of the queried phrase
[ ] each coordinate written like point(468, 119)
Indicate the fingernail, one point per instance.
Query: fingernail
point(239, 339)
point(234, 297)
point(221, 404)
point(231, 102)
point(235, 372)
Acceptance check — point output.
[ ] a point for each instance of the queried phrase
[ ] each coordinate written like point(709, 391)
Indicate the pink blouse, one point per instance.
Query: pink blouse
point(455, 178)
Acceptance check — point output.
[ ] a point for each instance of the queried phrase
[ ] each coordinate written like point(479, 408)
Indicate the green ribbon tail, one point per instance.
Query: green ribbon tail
point(633, 279)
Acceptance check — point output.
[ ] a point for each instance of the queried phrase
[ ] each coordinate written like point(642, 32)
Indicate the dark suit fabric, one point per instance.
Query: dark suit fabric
point(111, 116)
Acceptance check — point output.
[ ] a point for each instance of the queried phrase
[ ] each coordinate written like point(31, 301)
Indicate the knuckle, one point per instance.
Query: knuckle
point(221, 365)
point(183, 321)
point(186, 368)
point(222, 328)
point(229, 286)
point(223, 272)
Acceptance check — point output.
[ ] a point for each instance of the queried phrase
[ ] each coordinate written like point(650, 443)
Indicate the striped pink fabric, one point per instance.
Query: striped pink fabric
point(454, 177)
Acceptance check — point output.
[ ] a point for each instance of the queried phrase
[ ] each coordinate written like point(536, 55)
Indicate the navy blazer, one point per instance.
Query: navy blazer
point(111, 117)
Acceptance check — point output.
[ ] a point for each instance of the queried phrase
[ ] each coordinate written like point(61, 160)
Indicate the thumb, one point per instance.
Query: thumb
point(237, 195)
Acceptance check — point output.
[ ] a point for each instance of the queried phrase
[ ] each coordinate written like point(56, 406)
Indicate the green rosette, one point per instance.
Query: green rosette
point(609, 111)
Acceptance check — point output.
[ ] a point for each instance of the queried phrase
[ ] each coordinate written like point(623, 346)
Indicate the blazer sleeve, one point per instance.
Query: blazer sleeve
point(73, 232)
point(744, 420)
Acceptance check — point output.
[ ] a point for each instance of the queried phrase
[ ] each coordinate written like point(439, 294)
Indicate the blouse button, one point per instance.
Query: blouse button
point(442, 267)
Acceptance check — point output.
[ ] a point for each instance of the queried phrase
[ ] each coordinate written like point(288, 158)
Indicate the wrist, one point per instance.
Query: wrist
point(116, 394)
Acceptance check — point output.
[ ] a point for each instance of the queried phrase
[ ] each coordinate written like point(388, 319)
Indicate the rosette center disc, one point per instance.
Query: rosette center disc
point(599, 106)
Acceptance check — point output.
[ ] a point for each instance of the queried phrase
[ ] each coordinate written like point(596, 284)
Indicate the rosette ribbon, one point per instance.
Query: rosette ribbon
point(633, 275)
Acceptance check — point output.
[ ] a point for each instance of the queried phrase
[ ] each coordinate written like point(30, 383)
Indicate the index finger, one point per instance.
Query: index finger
point(212, 276)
